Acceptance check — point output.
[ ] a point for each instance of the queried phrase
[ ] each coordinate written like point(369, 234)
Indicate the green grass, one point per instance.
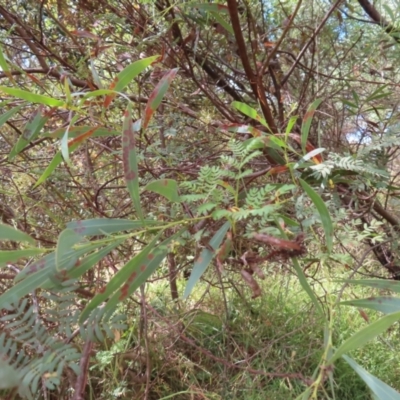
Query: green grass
point(277, 333)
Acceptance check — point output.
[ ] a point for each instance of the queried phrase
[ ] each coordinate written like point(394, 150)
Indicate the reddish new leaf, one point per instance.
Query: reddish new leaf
point(85, 34)
point(127, 75)
point(82, 137)
point(157, 95)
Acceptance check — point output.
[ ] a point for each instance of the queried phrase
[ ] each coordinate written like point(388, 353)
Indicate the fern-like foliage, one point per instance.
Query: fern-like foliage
point(216, 190)
point(389, 139)
point(34, 355)
point(347, 163)
point(34, 342)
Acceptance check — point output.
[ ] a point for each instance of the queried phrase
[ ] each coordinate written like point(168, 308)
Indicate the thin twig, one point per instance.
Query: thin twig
point(82, 378)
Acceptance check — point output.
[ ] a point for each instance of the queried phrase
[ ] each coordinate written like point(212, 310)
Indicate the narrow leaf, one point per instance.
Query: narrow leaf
point(9, 256)
point(238, 128)
point(381, 390)
point(21, 289)
point(140, 269)
point(105, 226)
point(311, 155)
point(377, 93)
point(223, 23)
point(385, 304)
point(89, 261)
point(216, 7)
point(48, 262)
point(4, 66)
point(129, 159)
point(250, 112)
point(306, 286)
point(308, 117)
point(119, 279)
point(9, 233)
point(10, 376)
point(290, 124)
point(123, 79)
point(202, 262)
point(165, 187)
point(58, 158)
point(66, 240)
point(349, 103)
point(323, 212)
point(31, 131)
point(394, 286)
point(7, 115)
point(365, 335)
point(390, 12)
point(79, 130)
point(33, 97)
point(55, 162)
point(157, 95)
point(95, 75)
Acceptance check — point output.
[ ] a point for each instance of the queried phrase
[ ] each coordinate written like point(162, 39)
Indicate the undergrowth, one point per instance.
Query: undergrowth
point(276, 334)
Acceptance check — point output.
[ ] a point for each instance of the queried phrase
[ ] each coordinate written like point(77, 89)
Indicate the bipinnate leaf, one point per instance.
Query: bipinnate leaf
point(202, 262)
point(366, 334)
point(129, 160)
point(7, 232)
point(106, 226)
point(165, 187)
point(126, 76)
point(8, 376)
point(305, 126)
point(157, 95)
point(381, 390)
point(323, 213)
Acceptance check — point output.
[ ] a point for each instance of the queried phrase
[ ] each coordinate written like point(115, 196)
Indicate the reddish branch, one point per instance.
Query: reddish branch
point(82, 378)
point(312, 38)
point(254, 80)
point(376, 17)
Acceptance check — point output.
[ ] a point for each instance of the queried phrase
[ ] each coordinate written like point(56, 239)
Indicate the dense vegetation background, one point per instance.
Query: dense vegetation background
point(199, 200)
